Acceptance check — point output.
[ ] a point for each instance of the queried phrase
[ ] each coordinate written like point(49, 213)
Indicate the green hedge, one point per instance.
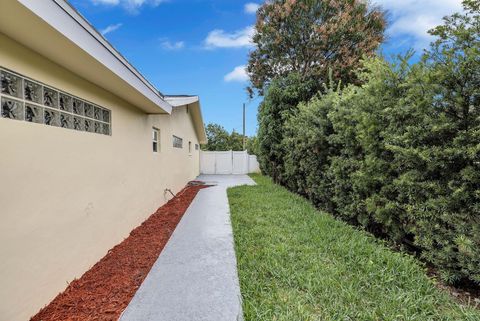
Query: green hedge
point(400, 154)
point(280, 102)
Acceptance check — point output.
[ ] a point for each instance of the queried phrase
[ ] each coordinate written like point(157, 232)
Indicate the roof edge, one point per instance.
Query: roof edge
point(191, 100)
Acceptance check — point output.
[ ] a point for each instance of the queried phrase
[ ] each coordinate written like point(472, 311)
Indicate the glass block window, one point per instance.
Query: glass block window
point(177, 142)
point(196, 146)
point(32, 92)
point(25, 99)
point(65, 102)
point(88, 125)
point(51, 117)
point(12, 109)
point(155, 139)
point(11, 84)
point(33, 113)
point(50, 97)
point(77, 106)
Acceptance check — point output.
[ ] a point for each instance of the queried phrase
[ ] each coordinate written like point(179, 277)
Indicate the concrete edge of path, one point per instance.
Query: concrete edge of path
point(195, 277)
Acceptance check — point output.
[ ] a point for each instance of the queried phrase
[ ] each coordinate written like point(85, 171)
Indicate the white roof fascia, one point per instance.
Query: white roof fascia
point(185, 100)
point(177, 101)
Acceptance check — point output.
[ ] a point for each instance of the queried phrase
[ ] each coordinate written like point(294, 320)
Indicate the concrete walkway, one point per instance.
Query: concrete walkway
point(195, 277)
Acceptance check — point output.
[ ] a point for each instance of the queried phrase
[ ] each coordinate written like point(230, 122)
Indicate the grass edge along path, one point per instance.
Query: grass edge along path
point(297, 263)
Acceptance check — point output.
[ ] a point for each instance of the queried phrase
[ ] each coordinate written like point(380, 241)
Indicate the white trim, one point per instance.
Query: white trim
point(156, 132)
point(63, 18)
point(177, 101)
point(192, 101)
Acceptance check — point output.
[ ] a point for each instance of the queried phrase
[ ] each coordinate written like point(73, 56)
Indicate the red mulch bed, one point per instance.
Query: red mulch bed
point(105, 290)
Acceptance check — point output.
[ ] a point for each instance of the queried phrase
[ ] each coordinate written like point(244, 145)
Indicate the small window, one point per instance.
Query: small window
point(190, 147)
point(177, 142)
point(196, 146)
point(155, 139)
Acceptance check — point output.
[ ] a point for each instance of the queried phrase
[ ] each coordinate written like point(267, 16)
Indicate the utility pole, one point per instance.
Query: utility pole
point(244, 138)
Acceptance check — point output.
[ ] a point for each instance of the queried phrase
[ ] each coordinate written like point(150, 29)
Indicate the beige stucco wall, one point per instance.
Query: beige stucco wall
point(67, 197)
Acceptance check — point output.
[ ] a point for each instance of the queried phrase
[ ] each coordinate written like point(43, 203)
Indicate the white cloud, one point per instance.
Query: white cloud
point(220, 39)
point(130, 5)
point(413, 18)
point(239, 74)
point(251, 7)
point(166, 44)
point(110, 28)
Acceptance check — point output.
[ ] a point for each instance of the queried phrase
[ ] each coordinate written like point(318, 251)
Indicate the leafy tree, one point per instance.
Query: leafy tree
point(236, 141)
point(311, 37)
point(252, 145)
point(218, 138)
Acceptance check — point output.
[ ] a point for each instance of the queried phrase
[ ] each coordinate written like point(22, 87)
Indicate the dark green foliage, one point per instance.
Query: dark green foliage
point(307, 147)
point(439, 181)
point(219, 139)
point(280, 103)
point(252, 146)
point(399, 155)
point(236, 141)
point(361, 167)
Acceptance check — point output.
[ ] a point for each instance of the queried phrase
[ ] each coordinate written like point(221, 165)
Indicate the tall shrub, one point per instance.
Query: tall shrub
point(307, 150)
point(362, 172)
point(281, 100)
point(438, 156)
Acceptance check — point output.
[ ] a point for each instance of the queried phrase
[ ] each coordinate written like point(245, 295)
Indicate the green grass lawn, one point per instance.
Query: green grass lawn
point(296, 263)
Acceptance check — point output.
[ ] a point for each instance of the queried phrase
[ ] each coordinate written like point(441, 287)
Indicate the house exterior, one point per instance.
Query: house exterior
point(87, 149)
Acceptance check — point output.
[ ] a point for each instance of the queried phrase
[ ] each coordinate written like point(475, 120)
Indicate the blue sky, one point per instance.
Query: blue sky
point(201, 46)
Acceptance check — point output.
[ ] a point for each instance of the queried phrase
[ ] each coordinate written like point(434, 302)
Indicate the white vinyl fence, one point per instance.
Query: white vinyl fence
point(229, 162)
